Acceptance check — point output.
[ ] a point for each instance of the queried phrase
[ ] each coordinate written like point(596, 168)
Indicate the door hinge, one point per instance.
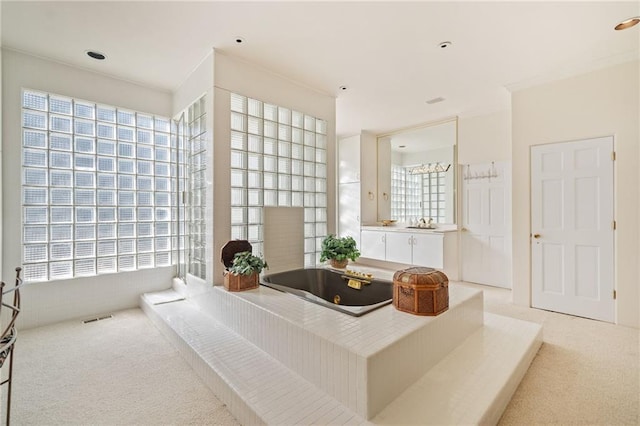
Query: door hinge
point(615, 295)
point(613, 156)
point(613, 225)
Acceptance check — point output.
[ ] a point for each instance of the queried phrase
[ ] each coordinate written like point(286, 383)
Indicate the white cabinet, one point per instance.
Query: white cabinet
point(349, 160)
point(349, 208)
point(415, 248)
point(419, 248)
point(356, 184)
point(398, 247)
point(372, 245)
point(428, 250)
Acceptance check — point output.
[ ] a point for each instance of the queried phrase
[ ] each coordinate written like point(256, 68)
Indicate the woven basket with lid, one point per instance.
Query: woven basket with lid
point(421, 291)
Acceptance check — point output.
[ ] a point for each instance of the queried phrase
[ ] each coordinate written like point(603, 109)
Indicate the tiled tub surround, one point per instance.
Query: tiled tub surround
point(470, 385)
point(365, 362)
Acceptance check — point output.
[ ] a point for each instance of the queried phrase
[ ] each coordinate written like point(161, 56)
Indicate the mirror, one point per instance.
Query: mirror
point(417, 174)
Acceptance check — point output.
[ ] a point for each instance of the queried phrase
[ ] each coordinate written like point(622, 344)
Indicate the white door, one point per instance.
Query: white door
point(572, 228)
point(486, 224)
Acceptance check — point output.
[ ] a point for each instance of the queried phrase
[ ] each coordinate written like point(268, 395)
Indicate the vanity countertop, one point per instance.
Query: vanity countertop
point(403, 228)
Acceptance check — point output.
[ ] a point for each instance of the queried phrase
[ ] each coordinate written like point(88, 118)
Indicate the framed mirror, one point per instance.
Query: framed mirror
point(417, 173)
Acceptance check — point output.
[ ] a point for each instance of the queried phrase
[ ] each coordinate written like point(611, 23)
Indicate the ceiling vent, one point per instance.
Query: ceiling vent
point(435, 100)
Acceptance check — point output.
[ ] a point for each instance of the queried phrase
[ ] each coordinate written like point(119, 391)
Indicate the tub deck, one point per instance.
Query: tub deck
point(262, 381)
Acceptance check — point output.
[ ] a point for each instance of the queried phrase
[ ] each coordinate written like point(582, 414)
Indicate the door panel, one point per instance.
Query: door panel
point(486, 222)
point(428, 250)
point(572, 263)
point(398, 247)
point(372, 245)
point(349, 211)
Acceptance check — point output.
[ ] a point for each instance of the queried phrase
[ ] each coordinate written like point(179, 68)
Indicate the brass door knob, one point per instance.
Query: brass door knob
point(536, 235)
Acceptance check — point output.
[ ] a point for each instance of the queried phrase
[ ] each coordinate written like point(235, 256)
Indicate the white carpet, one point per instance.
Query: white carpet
point(122, 371)
point(118, 371)
point(586, 373)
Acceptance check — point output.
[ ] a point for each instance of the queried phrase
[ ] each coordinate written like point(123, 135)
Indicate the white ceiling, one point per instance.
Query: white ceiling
point(420, 139)
point(386, 53)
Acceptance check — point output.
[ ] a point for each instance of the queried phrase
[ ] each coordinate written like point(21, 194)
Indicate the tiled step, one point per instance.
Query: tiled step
point(256, 388)
point(354, 360)
point(475, 382)
point(471, 385)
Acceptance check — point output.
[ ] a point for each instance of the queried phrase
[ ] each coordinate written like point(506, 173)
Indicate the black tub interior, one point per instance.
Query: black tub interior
point(331, 288)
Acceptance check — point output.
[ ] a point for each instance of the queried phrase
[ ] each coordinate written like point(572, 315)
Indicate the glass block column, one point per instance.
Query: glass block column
point(278, 158)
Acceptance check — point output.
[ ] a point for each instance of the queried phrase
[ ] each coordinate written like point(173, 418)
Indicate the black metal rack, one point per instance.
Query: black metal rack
point(9, 334)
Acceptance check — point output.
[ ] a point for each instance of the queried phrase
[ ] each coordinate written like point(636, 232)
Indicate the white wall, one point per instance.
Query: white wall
point(604, 102)
point(60, 300)
point(199, 82)
point(232, 75)
point(484, 138)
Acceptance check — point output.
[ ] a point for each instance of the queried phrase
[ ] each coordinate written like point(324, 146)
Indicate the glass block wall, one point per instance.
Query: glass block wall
point(96, 188)
point(196, 156)
point(406, 194)
point(433, 196)
point(278, 158)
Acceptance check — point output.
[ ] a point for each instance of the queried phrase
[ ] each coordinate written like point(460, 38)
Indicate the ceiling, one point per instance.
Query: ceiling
point(430, 137)
point(387, 54)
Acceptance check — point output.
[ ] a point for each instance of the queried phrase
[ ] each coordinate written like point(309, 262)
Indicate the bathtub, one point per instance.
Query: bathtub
point(329, 288)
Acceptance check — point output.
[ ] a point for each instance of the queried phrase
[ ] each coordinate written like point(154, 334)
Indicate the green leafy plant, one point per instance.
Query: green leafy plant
point(339, 248)
point(245, 263)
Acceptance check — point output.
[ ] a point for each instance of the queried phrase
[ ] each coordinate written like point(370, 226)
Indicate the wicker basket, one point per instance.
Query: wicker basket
point(233, 282)
point(421, 291)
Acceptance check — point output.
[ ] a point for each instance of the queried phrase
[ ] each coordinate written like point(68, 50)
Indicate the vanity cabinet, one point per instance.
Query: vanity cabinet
point(398, 247)
point(373, 245)
point(420, 248)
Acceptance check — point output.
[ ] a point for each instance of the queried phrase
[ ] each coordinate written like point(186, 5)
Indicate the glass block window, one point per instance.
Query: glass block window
point(96, 188)
point(433, 196)
point(415, 196)
point(196, 162)
point(278, 158)
point(406, 194)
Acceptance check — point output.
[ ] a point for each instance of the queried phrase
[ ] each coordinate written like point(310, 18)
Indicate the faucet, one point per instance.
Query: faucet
point(426, 224)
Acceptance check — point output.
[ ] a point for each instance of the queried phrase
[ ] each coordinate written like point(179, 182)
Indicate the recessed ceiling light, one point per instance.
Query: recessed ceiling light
point(239, 40)
point(445, 44)
point(435, 100)
point(95, 55)
point(627, 23)
point(343, 88)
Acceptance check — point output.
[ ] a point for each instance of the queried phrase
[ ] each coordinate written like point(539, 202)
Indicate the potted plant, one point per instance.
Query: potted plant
point(339, 250)
point(243, 273)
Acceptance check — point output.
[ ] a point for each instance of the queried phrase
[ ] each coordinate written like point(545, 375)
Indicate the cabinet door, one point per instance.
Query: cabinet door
point(349, 159)
point(349, 210)
point(372, 244)
point(398, 247)
point(428, 250)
